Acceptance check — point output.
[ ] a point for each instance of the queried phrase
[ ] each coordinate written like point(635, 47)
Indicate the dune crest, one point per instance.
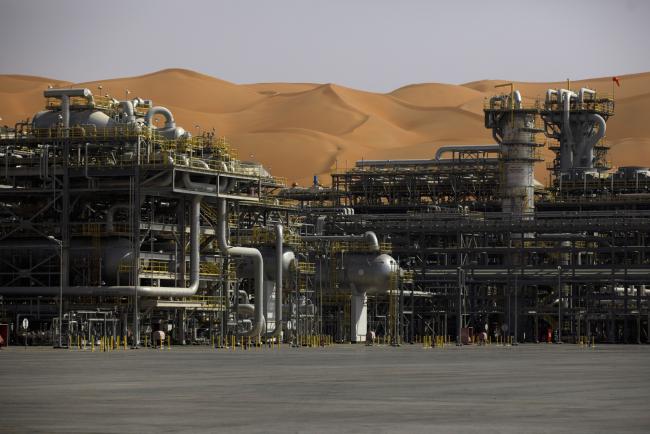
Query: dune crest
point(305, 129)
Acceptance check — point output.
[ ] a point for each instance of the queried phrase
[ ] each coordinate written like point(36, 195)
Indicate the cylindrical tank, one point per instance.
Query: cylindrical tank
point(113, 253)
point(518, 156)
point(50, 119)
point(369, 273)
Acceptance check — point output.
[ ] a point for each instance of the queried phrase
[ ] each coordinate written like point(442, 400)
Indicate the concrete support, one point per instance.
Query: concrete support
point(359, 317)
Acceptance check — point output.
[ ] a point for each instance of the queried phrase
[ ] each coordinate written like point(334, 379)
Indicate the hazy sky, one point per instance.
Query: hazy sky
point(375, 45)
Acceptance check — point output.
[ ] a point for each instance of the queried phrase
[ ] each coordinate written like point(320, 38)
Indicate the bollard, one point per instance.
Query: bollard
point(169, 342)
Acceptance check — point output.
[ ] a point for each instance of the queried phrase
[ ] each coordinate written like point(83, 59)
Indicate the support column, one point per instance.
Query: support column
point(65, 233)
point(182, 323)
point(359, 317)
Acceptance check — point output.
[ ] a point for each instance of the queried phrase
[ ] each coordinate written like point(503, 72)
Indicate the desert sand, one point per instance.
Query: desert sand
point(303, 129)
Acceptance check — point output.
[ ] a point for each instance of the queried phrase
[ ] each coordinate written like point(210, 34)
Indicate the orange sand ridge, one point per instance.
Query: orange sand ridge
point(303, 129)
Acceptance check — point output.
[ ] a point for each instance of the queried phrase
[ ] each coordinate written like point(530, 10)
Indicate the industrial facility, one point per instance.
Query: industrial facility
point(116, 222)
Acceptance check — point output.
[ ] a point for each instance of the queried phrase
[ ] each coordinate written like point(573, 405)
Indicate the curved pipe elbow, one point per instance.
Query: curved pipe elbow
point(110, 215)
point(225, 184)
point(249, 252)
point(67, 93)
point(371, 239)
point(550, 93)
point(583, 91)
point(127, 109)
point(159, 110)
point(517, 96)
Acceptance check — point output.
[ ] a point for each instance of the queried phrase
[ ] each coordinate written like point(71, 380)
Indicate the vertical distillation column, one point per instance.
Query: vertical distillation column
point(514, 128)
point(518, 157)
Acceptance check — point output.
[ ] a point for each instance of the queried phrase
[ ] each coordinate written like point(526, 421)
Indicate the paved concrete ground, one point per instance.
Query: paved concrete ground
point(345, 388)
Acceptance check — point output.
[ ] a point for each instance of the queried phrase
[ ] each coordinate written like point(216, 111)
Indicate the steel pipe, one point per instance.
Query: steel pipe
point(247, 252)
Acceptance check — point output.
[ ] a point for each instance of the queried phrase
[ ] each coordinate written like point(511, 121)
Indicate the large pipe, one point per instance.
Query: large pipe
point(463, 148)
point(279, 262)
point(110, 215)
point(64, 95)
point(127, 108)
point(225, 183)
point(248, 252)
point(153, 111)
point(517, 96)
point(583, 91)
point(370, 238)
point(148, 291)
point(549, 95)
point(586, 153)
point(566, 154)
point(573, 237)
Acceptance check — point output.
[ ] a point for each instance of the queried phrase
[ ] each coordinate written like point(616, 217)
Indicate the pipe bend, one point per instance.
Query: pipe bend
point(147, 291)
point(153, 111)
point(127, 108)
point(583, 91)
point(460, 148)
point(225, 183)
point(248, 252)
point(518, 101)
point(110, 215)
point(371, 238)
point(59, 93)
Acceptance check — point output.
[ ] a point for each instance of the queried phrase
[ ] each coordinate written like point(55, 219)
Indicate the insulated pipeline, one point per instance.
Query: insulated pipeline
point(248, 252)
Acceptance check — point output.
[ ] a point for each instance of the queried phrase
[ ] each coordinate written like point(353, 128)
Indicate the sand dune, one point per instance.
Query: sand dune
point(303, 129)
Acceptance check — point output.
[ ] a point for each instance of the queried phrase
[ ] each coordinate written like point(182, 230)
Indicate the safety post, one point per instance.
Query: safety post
point(169, 342)
point(117, 343)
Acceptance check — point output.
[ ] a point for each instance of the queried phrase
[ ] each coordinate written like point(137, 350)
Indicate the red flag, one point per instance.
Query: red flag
point(615, 80)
